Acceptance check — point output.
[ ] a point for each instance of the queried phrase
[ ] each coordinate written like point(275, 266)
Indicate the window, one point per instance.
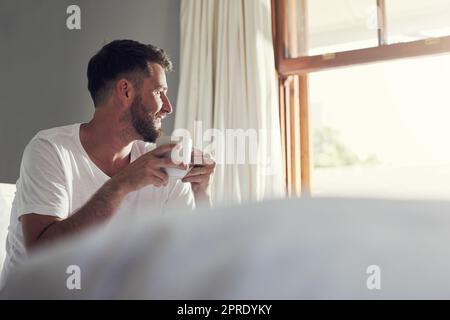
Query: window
point(335, 59)
point(323, 26)
point(379, 131)
point(410, 20)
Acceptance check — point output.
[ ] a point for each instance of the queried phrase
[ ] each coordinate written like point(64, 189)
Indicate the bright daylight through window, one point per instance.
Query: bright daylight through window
point(382, 129)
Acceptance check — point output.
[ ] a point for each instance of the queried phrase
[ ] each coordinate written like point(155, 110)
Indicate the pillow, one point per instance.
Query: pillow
point(7, 192)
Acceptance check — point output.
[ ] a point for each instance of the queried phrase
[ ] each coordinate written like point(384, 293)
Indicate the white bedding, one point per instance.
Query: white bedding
point(291, 249)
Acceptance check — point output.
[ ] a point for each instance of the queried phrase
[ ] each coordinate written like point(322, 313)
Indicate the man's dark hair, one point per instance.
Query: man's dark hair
point(122, 58)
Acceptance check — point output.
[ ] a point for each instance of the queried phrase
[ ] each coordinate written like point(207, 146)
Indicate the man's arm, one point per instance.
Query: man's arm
point(39, 229)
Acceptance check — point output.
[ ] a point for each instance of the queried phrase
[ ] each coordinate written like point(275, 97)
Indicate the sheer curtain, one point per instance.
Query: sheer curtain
point(228, 84)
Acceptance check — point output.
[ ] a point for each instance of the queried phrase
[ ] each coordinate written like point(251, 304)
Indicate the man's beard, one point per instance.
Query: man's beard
point(143, 122)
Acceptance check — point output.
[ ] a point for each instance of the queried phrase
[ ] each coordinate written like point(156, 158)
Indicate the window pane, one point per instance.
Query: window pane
point(330, 26)
point(409, 20)
point(382, 130)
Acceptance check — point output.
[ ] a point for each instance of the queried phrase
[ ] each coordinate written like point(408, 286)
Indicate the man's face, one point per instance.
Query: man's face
point(151, 105)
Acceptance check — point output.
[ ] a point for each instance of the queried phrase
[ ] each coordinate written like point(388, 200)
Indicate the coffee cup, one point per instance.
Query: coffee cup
point(177, 155)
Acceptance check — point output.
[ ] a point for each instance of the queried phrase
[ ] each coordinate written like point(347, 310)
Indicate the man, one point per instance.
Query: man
point(78, 176)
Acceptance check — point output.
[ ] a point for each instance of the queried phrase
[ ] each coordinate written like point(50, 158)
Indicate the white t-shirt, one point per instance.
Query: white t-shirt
point(57, 177)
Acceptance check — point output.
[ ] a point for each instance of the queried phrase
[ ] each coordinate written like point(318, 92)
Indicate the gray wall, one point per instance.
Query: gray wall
point(43, 64)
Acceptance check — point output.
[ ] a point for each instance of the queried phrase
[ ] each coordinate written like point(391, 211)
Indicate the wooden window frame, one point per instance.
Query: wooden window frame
point(293, 84)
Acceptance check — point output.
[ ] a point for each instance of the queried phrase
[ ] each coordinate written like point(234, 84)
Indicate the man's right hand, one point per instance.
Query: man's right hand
point(147, 170)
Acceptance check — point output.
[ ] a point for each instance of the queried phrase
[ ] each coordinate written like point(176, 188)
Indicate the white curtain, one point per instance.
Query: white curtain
point(228, 83)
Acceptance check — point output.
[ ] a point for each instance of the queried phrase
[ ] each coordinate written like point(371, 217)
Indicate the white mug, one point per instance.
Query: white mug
point(181, 155)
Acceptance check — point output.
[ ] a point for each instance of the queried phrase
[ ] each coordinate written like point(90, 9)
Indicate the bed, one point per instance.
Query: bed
point(284, 249)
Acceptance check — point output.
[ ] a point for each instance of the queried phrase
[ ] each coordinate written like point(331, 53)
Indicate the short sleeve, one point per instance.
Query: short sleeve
point(42, 185)
point(180, 197)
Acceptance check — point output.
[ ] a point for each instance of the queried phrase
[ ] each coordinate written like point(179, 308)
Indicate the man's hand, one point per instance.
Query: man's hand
point(147, 169)
point(200, 175)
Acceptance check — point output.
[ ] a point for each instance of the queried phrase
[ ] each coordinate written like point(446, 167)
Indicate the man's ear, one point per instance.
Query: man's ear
point(125, 92)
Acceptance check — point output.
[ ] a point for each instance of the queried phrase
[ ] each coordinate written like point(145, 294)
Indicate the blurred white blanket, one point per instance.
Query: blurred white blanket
point(291, 249)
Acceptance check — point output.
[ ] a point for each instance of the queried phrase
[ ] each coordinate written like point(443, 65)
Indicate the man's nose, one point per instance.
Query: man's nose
point(167, 106)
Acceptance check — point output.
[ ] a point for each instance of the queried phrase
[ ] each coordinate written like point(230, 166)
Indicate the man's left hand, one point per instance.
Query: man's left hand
point(200, 176)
